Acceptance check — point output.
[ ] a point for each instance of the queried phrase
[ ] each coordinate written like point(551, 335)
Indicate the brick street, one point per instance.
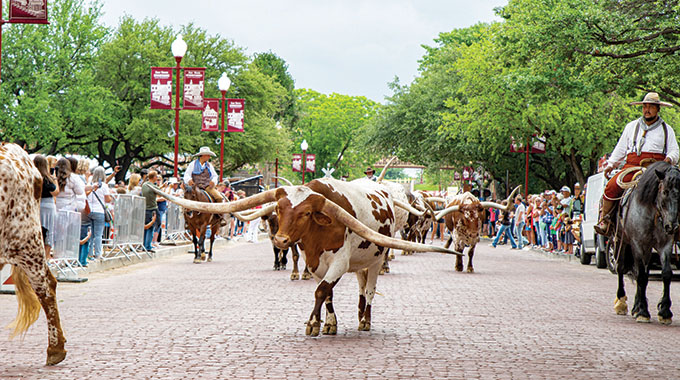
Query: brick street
point(520, 316)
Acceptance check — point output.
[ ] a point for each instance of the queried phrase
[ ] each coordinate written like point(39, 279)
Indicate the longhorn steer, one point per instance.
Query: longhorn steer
point(21, 246)
point(280, 259)
point(463, 217)
point(339, 227)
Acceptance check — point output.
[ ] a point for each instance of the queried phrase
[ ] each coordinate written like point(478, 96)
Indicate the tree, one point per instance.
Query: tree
point(276, 67)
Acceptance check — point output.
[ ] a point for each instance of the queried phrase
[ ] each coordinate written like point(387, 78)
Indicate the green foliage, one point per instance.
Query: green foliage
point(332, 125)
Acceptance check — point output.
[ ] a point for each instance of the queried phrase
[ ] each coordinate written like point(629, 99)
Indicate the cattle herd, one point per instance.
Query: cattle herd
point(336, 226)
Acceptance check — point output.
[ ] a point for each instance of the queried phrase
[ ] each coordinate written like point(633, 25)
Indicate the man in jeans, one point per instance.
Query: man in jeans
point(151, 213)
point(520, 216)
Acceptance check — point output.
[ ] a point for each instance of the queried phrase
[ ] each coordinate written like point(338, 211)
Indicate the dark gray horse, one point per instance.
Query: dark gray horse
point(648, 220)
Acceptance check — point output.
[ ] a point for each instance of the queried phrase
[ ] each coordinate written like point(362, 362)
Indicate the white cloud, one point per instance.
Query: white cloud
point(351, 47)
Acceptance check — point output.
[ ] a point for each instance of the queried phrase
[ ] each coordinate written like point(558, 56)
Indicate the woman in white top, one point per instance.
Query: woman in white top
point(71, 188)
point(98, 195)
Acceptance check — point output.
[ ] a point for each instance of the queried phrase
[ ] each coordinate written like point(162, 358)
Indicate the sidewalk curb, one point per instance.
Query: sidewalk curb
point(552, 255)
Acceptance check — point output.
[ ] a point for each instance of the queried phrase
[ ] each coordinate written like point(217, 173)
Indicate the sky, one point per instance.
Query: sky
point(349, 47)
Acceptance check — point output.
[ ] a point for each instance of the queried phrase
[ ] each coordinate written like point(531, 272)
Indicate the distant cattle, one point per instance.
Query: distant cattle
point(21, 245)
point(339, 227)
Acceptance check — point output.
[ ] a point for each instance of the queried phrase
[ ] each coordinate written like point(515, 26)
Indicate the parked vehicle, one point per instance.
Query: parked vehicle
point(593, 243)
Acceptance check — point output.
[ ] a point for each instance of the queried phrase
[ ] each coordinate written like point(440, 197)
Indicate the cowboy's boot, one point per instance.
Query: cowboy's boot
point(604, 223)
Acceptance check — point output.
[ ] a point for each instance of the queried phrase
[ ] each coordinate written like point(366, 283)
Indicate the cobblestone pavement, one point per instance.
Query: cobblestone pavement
point(520, 316)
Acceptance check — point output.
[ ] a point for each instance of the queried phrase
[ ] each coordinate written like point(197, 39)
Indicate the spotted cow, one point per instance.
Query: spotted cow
point(339, 227)
point(21, 246)
point(280, 255)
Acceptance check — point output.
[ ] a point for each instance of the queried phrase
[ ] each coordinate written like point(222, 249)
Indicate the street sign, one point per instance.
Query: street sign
point(28, 11)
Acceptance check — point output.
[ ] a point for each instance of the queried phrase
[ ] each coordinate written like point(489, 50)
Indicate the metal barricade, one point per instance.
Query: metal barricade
point(128, 224)
point(174, 224)
point(66, 247)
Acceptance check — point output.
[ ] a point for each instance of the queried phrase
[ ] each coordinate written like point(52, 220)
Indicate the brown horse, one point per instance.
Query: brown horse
point(198, 222)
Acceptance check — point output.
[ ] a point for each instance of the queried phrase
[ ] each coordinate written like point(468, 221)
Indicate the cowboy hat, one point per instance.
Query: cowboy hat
point(205, 150)
point(369, 170)
point(172, 180)
point(652, 98)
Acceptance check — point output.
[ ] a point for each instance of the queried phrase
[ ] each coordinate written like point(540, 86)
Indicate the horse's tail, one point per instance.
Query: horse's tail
point(29, 305)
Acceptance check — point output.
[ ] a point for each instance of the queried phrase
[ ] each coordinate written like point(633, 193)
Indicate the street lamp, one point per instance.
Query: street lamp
point(276, 171)
point(304, 147)
point(179, 48)
point(223, 84)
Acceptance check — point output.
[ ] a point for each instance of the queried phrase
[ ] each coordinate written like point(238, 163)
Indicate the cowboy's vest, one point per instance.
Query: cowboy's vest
point(201, 180)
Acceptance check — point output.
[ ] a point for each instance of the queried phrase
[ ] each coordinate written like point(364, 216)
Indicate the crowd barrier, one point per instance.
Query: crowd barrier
point(66, 245)
point(174, 224)
point(128, 228)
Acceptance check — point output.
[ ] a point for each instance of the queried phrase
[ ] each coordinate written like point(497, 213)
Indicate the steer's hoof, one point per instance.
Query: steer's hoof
point(665, 321)
point(459, 269)
point(620, 306)
point(209, 259)
point(391, 256)
point(197, 261)
point(642, 319)
point(364, 326)
point(471, 270)
point(294, 276)
point(55, 356)
point(306, 276)
point(330, 329)
point(203, 256)
point(312, 329)
point(382, 271)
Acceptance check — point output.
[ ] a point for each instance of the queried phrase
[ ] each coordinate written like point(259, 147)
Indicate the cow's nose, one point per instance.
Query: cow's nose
point(281, 241)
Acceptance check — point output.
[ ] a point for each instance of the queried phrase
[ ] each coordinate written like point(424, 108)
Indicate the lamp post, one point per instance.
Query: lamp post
point(223, 84)
point(276, 170)
point(304, 147)
point(179, 48)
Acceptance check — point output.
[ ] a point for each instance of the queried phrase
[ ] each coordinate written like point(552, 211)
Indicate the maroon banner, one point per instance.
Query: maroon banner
point(297, 162)
point(235, 121)
point(211, 108)
point(537, 145)
point(28, 11)
point(161, 88)
point(310, 165)
point(194, 80)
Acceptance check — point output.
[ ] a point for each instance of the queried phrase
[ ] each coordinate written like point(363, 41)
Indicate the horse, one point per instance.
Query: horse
point(198, 222)
point(647, 219)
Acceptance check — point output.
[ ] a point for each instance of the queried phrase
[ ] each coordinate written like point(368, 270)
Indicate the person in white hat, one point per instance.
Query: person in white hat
point(644, 140)
point(201, 173)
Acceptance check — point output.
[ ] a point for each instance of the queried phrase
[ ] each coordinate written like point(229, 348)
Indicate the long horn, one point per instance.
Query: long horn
point(430, 211)
point(285, 180)
point(257, 214)
point(436, 199)
point(509, 202)
point(445, 211)
point(384, 170)
point(220, 208)
point(362, 230)
point(408, 208)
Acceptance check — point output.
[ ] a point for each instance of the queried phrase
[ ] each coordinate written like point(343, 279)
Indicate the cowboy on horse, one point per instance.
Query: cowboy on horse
point(643, 142)
point(201, 174)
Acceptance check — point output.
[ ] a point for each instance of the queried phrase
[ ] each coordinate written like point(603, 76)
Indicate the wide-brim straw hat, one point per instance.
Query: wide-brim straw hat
point(205, 150)
point(369, 170)
point(652, 98)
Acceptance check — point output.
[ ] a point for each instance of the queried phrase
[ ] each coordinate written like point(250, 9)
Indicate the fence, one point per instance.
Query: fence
point(128, 227)
point(174, 224)
point(66, 245)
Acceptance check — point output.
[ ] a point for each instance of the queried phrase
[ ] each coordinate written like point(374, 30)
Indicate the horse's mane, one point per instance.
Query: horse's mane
point(648, 186)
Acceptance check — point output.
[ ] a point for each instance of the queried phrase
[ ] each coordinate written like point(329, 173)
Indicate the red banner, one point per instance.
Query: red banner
point(297, 162)
point(194, 80)
point(211, 109)
point(235, 108)
point(310, 165)
point(28, 11)
point(161, 88)
point(537, 146)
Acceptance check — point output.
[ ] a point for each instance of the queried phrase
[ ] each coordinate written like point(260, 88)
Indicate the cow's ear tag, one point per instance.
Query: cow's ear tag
point(322, 219)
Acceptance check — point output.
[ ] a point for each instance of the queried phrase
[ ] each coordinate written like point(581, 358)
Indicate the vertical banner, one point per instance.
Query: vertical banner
point(310, 165)
point(194, 80)
point(161, 88)
point(235, 108)
point(28, 11)
point(297, 162)
point(210, 113)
